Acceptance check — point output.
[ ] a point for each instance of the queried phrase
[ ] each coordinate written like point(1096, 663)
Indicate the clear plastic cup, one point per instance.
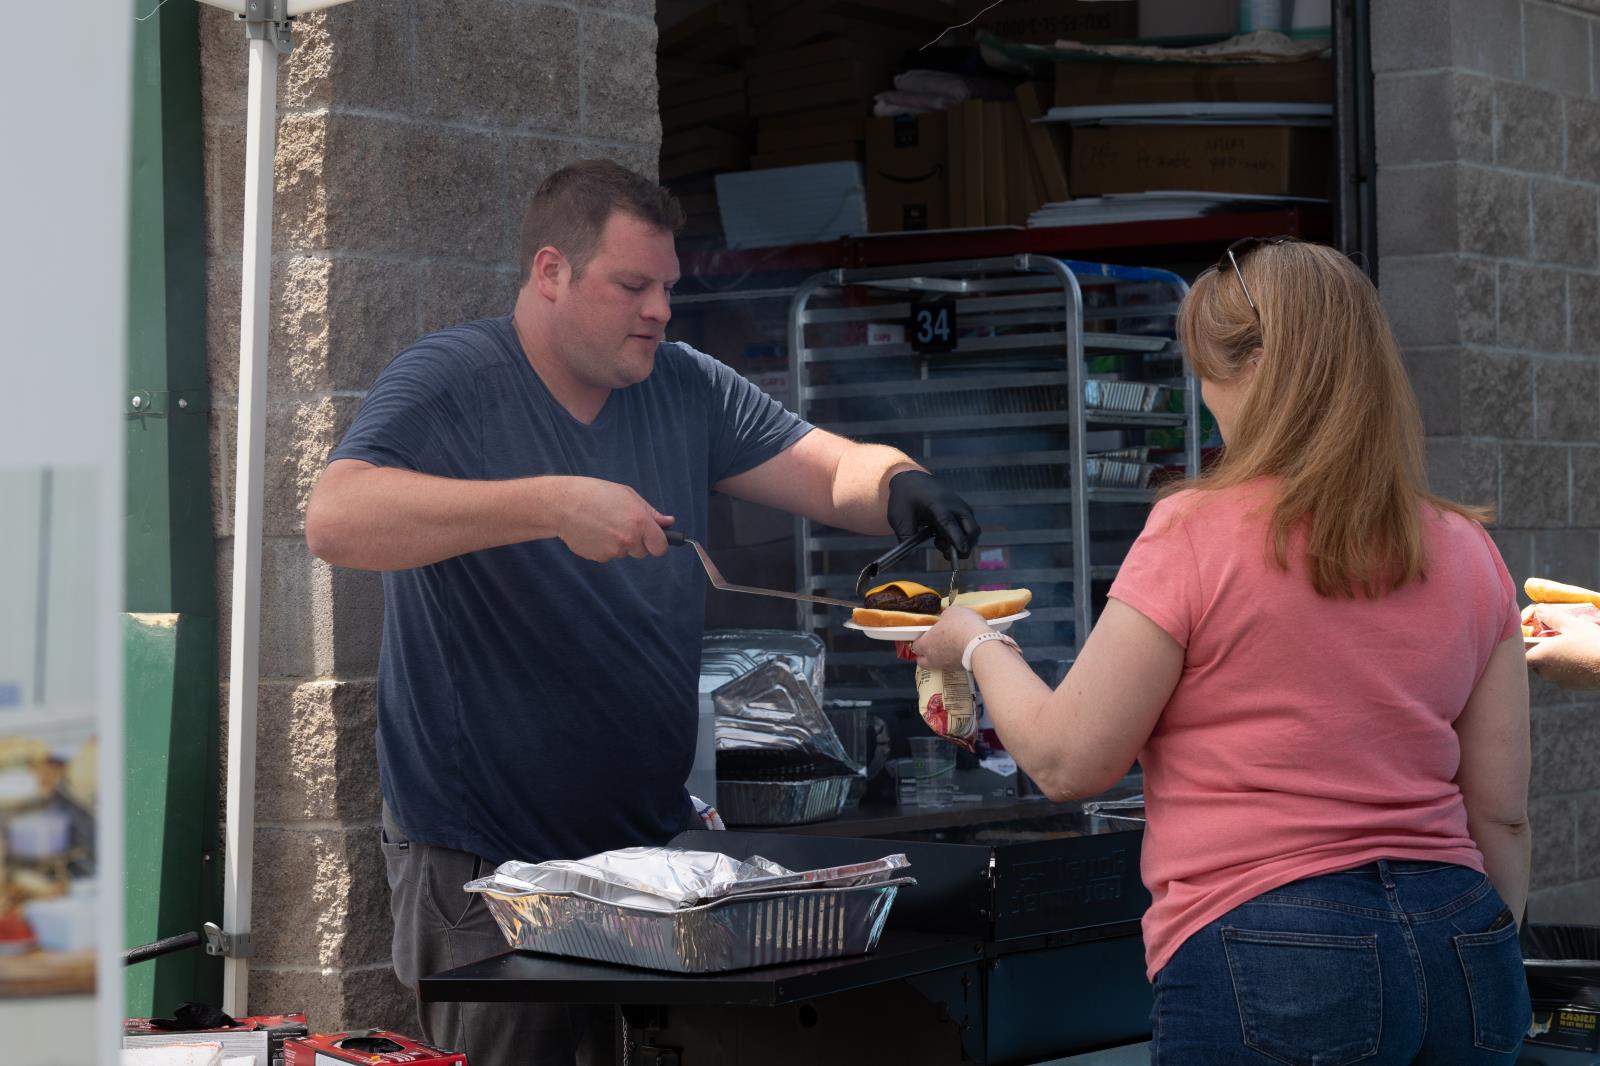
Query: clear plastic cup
point(933, 761)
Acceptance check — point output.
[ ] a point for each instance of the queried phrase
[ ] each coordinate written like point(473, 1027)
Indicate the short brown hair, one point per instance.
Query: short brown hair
point(571, 207)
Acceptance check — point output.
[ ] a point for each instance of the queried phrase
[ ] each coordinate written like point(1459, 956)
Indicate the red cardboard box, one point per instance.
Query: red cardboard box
point(371, 1047)
point(280, 1028)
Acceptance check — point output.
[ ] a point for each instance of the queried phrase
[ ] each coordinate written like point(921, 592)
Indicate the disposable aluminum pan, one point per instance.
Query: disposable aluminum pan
point(782, 802)
point(729, 934)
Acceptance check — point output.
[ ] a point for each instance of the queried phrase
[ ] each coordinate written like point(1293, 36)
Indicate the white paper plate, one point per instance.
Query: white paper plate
point(913, 632)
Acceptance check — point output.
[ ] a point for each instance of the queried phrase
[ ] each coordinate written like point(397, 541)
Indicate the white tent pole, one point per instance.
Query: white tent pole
point(244, 653)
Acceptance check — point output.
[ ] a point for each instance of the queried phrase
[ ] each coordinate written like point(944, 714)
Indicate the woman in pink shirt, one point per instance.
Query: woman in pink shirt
point(1318, 664)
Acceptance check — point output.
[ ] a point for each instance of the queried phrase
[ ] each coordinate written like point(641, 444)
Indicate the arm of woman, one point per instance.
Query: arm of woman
point(1493, 778)
point(1080, 739)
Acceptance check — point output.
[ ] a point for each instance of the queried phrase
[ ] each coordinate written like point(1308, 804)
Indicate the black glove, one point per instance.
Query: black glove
point(917, 501)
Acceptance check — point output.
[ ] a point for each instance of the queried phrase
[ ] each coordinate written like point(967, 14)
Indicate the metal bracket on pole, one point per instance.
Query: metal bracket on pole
point(269, 20)
point(234, 945)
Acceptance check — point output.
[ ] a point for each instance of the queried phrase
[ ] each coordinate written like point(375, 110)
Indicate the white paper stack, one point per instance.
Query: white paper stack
point(792, 205)
point(1153, 206)
point(1194, 113)
point(199, 1053)
point(249, 1047)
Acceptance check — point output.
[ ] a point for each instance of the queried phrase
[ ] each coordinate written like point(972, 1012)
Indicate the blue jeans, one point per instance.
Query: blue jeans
point(1392, 962)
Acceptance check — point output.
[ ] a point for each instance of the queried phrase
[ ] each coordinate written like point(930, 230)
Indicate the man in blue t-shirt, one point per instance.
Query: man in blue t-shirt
point(512, 478)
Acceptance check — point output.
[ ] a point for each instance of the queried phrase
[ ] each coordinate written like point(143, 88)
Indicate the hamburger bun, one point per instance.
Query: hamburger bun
point(1542, 590)
point(992, 604)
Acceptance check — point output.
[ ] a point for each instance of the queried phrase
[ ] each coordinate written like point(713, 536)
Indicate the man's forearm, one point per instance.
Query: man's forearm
point(1507, 855)
point(861, 486)
point(383, 518)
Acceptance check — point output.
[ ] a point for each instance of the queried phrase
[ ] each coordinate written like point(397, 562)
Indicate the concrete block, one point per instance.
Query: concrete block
point(1586, 818)
point(1586, 487)
point(1419, 296)
point(1411, 35)
point(1555, 49)
point(299, 437)
point(1528, 128)
point(1564, 223)
point(1555, 860)
point(1476, 300)
point(619, 98)
point(1494, 212)
point(1417, 209)
point(1480, 474)
point(1533, 308)
point(224, 64)
point(372, 316)
point(1436, 378)
point(644, 9)
point(295, 625)
point(316, 752)
point(1485, 37)
point(321, 897)
point(1568, 555)
point(357, 621)
point(337, 1000)
point(1533, 486)
point(222, 425)
point(1583, 140)
point(401, 188)
point(1574, 904)
point(500, 63)
point(222, 329)
point(371, 65)
point(222, 167)
point(300, 205)
point(1516, 549)
point(1583, 296)
point(1438, 116)
point(1496, 395)
point(453, 292)
point(1443, 463)
point(1568, 393)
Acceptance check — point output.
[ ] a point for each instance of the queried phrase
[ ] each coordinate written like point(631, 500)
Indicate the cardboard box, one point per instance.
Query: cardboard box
point(771, 136)
point(908, 184)
point(1044, 141)
point(1267, 160)
point(799, 157)
point(856, 90)
point(868, 75)
point(1049, 21)
point(371, 1047)
point(966, 162)
point(824, 51)
point(730, 111)
point(680, 94)
point(247, 1036)
point(996, 196)
point(1188, 18)
point(1090, 84)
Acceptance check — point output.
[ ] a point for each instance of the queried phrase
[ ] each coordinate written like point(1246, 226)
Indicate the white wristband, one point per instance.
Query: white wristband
point(972, 646)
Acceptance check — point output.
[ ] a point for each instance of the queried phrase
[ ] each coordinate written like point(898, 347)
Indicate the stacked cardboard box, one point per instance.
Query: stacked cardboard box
point(1049, 21)
point(1271, 160)
point(982, 163)
point(777, 83)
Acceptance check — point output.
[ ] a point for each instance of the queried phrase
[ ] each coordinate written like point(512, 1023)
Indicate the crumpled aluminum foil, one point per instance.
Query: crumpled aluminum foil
point(770, 721)
point(728, 654)
point(668, 879)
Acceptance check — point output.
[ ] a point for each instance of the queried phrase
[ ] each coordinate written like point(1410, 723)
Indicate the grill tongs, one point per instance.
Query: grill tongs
point(895, 554)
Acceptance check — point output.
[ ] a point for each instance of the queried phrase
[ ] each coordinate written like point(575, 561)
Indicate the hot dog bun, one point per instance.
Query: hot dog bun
point(1542, 590)
point(996, 603)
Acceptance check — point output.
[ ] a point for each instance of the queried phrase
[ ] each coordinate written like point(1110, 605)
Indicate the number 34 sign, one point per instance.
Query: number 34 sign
point(933, 325)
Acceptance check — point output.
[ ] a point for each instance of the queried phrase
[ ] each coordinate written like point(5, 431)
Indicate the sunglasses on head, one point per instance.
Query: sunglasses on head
point(1237, 251)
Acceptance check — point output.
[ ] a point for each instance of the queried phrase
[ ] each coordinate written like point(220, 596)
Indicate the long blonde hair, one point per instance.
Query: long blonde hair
point(1328, 412)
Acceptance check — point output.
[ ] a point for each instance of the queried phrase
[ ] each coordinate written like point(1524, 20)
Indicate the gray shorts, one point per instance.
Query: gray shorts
point(439, 927)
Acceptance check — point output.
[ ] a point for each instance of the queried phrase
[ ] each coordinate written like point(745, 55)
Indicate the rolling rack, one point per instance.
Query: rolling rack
point(1032, 385)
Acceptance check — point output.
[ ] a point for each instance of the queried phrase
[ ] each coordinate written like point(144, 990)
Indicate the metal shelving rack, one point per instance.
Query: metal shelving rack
point(999, 413)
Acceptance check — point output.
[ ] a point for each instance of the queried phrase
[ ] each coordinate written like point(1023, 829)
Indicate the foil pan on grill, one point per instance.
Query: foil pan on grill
point(782, 802)
point(768, 721)
point(728, 934)
point(728, 654)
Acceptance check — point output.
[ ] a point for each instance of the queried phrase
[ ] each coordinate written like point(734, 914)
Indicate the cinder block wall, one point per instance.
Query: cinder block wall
point(409, 138)
point(1488, 130)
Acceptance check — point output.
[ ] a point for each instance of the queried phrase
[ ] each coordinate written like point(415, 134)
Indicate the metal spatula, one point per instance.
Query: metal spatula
point(717, 582)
